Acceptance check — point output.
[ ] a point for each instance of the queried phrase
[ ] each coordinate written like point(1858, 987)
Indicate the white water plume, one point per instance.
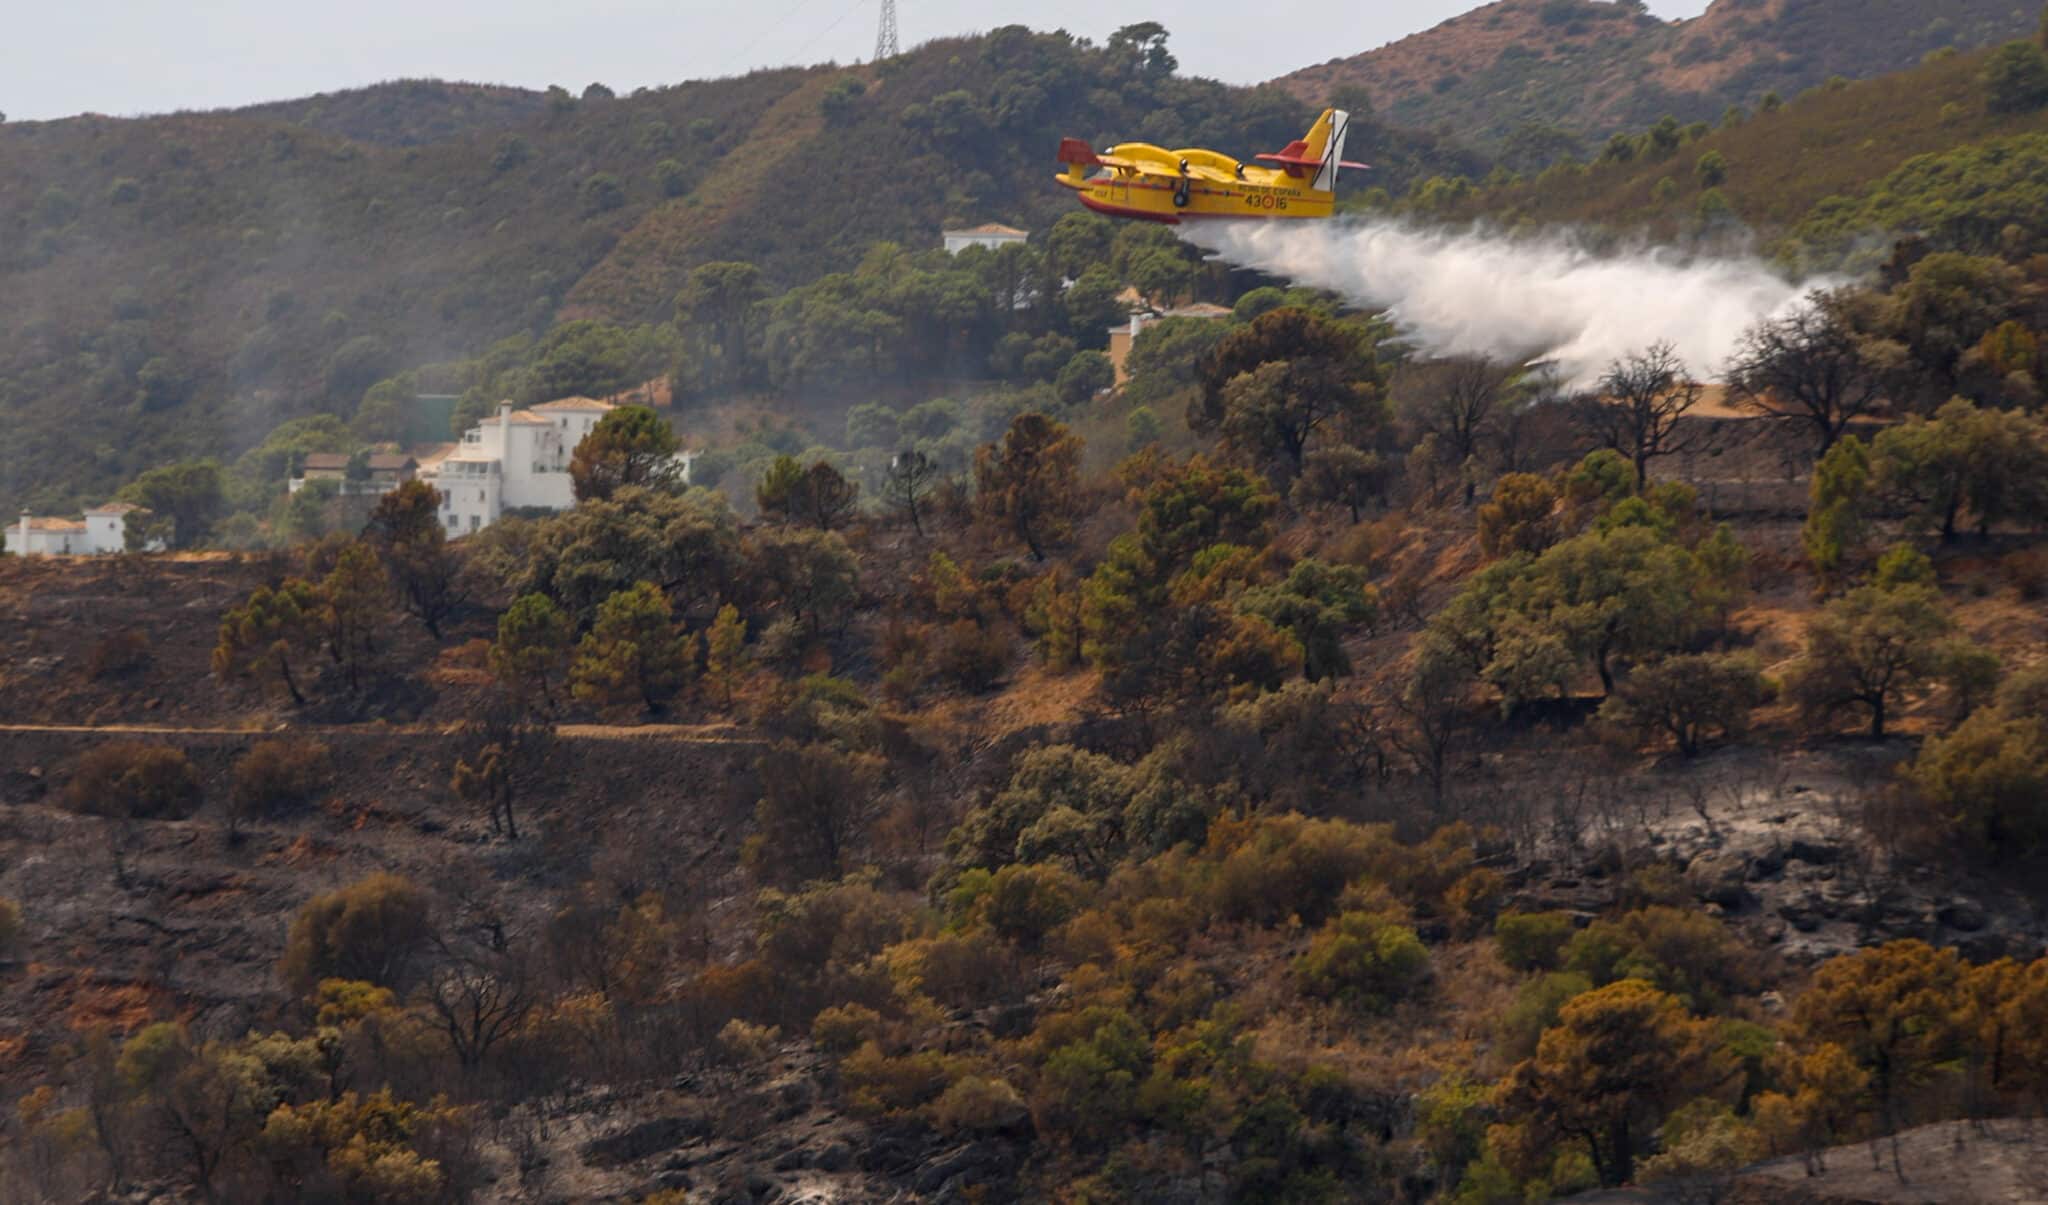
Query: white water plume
point(1547, 298)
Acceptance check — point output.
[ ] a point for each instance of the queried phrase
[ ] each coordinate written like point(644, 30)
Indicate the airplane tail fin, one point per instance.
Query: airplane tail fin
point(1320, 151)
point(1326, 146)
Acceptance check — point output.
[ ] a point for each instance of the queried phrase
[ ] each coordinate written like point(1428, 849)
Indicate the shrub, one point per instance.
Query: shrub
point(1288, 866)
point(1988, 780)
point(1535, 1009)
point(130, 779)
point(1026, 903)
point(1363, 960)
point(957, 971)
point(371, 930)
point(1532, 941)
point(1685, 953)
point(972, 655)
point(842, 1030)
point(745, 1045)
point(980, 1104)
point(878, 1085)
point(275, 775)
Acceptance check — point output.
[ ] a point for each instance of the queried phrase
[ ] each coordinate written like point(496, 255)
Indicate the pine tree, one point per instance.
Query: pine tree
point(634, 653)
point(726, 657)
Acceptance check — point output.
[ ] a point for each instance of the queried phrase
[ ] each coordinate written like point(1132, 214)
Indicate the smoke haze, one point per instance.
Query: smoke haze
point(1465, 293)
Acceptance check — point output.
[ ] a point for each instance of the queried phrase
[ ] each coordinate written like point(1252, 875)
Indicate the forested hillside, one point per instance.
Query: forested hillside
point(1536, 78)
point(1950, 152)
point(176, 286)
point(411, 112)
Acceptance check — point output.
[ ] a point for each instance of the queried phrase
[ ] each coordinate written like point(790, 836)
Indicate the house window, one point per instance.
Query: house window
point(475, 522)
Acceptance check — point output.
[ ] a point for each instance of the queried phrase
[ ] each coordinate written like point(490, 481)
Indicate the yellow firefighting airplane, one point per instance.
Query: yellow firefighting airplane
point(1153, 184)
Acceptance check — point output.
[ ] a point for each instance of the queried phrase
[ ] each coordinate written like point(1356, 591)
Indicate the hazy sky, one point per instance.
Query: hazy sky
point(62, 57)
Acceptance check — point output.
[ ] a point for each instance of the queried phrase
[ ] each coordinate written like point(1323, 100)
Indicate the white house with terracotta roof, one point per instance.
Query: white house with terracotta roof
point(103, 530)
point(382, 472)
point(514, 460)
point(988, 234)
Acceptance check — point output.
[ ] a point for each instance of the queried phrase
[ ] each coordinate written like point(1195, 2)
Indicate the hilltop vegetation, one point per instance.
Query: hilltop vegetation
point(410, 112)
point(1533, 78)
point(1827, 179)
point(194, 280)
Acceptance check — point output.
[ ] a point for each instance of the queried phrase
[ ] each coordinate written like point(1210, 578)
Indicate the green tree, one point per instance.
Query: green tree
point(1366, 961)
point(405, 529)
point(634, 652)
point(1892, 1009)
point(717, 309)
point(264, 637)
point(1318, 604)
point(1274, 387)
point(871, 425)
point(1624, 592)
point(1029, 482)
point(1835, 534)
point(820, 495)
point(1712, 170)
point(1689, 698)
point(725, 658)
point(1988, 781)
point(1521, 517)
point(357, 592)
point(1871, 648)
point(602, 192)
point(2016, 78)
point(531, 654)
point(671, 177)
point(687, 544)
point(812, 575)
point(205, 1101)
point(1966, 460)
point(630, 445)
point(1084, 376)
point(189, 494)
point(1604, 1078)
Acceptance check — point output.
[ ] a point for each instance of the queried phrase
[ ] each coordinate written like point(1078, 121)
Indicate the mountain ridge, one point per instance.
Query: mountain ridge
point(1591, 68)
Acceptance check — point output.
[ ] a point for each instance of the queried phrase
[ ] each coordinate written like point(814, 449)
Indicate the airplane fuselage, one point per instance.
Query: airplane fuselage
point(1154, 184)
point(1128, 195)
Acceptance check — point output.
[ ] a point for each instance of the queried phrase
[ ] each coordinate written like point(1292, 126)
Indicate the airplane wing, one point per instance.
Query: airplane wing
point(1299, 161)
point(1214, 175)
point(1142, 167)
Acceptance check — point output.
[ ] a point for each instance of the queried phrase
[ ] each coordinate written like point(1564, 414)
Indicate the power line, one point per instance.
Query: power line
point(765, 30)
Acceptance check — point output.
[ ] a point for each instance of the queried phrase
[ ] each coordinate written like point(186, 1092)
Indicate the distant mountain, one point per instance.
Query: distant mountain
point(174, 286)
point(408, 112)
point(1591, 68)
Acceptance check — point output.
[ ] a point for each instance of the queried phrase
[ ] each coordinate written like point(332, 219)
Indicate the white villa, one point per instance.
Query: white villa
point(517, 459)
point(102, 531)
point(991, 235)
